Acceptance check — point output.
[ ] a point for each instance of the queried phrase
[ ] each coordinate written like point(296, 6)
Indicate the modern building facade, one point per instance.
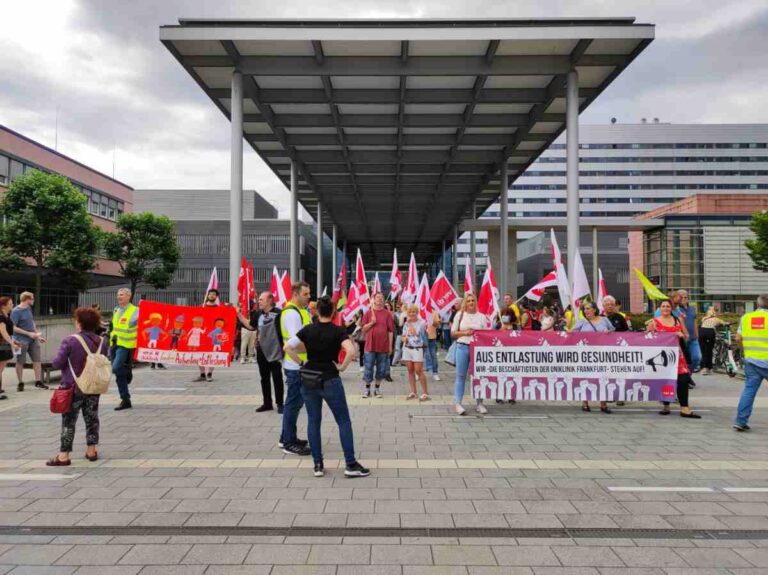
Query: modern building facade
point(631, 169)
point(700, 248)
point(202, 224)
point(107, 199)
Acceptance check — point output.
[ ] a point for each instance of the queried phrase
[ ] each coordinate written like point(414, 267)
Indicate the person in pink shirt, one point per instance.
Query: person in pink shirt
point(378, 325)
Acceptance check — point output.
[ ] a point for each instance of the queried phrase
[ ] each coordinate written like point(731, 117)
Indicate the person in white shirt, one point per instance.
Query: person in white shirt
point(466, 322)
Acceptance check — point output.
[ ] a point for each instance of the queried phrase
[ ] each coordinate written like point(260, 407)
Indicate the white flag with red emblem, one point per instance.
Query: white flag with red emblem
point(488, 298)
point(276, 288)
point(537, 291)
point(376, 284)
point(353, 304)
point(602, 291)
point(442, 294)
point(411, 282)
point(213, 283)
point(580, 283)
point(341, 282)
point(395, 278)
point(563, 287)
point(469, 280)
point(422, 298)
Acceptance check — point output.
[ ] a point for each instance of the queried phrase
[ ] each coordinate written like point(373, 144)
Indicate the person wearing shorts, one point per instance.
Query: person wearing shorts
point(29, 339)
point(415, 341)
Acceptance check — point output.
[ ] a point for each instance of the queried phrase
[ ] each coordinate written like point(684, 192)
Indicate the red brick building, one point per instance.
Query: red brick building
point(107, 199)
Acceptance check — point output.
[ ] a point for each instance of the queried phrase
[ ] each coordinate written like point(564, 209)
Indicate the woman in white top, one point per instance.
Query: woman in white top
point(547, 319)
point(593, 322)
point(464, 325)
point(414, 340)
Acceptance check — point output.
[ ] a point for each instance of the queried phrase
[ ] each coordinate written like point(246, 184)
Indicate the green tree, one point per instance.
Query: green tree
point(758, 248)
point(145, 248)
point(47, 222)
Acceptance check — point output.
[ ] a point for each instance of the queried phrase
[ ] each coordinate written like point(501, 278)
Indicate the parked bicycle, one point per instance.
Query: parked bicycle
point(727, 355)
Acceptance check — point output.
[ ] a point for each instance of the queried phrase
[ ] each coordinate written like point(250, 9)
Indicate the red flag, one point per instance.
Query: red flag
point(395, 278)
point(251, 284)
point(341, 281)
point(423, 300)
point(602, 291)
point(285, 281)
point(411, 283)
point(488, 299)
point(442, 294)
point(537, 291)
point(353, 303)
point(469, 280)
point(242, 286)
point(362, 285)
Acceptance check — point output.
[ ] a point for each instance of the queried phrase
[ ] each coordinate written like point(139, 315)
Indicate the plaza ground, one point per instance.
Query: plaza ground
point(191, 481)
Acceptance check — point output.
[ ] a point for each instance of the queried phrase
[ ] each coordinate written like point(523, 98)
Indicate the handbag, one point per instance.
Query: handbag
point(312, 379)
point(61, 400)
point(450, 357)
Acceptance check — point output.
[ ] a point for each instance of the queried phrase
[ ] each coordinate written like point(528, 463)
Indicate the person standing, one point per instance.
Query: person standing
point(430, 359)
point(71, 359)
point(248, 334)
point(667, 322)
point(593, 322)
point(262, 321)
point(211, 300)
point(316, 347)
point(707, 336)
point(293, 317)
point(399, 318)
point(125, 320)
point(548, 319)
point(617, 319)
point(29, 339)
point(415, 340)
point(687, 314)
point(511, 308)
point(7, 343)
point(752, 335)
point(466, 322)
point(379, 330)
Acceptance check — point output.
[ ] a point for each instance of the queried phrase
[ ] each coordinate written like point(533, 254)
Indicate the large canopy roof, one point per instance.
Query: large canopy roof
point(399, 127)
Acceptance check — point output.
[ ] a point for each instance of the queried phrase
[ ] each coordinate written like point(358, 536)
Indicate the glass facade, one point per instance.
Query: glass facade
point(674, 259)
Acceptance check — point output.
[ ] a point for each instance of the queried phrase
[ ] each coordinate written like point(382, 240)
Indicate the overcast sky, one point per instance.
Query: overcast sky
point(101, 65)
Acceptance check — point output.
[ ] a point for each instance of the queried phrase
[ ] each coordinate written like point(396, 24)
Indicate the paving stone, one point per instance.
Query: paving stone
point(93, 555)
point(238, 570)
point(226, 554)
point(587, 556)
point(524, 556)
point(369, 570)
point(463, 555)
point(155, 554)
point(173, 570)
point(303, 570)
point(262, 554)
point(39, 570)
point(340, 555)
point(109, 570)
point(712, 558)
point(401, 555)
point(33, 554)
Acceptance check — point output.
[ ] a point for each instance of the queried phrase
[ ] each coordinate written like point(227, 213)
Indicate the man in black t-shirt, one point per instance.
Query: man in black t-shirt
point(323, 341)
point(617, 320)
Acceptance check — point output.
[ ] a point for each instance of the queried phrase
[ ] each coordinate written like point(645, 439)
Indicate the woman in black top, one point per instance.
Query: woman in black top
point(322, 341)
point(7, 345)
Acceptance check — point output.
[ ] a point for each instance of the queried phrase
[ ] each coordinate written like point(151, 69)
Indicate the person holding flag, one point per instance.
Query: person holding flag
point(466, 322)
point(379, 329)
point(211, 300)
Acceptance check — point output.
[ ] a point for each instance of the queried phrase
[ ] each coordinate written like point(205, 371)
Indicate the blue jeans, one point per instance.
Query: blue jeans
point(123, 370)
point(462, 367)
point(380, 361)
point(333, 394)
point(754, 376)
point(446, 337)
point(291, 406)
point(695, 350)
point(430, 357)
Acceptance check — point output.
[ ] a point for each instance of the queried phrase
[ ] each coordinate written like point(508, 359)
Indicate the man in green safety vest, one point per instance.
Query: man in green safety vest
point(293, 317)
point(125, 319)
point(753, 337)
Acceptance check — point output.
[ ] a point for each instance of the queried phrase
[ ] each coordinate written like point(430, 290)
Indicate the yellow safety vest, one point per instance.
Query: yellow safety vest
point(305, 320)
point(122, 331)
point(754, 335)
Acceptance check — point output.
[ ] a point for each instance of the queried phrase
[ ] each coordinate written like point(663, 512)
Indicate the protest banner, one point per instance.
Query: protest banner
point(185, 335)
point(560, 366)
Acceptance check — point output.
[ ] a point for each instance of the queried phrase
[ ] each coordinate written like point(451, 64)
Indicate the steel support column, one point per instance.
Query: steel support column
point(504, 231)
point(455, 257)
point(236, 186)
point(595, 267)
point(294, 225)
point(334, 257)
point(472, 249)
point(319, 249)
point(572, 170)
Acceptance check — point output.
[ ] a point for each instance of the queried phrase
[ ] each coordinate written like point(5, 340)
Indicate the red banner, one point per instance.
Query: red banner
point(185, 335)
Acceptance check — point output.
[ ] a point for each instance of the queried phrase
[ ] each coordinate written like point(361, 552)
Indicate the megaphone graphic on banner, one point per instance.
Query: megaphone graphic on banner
point(661, 359)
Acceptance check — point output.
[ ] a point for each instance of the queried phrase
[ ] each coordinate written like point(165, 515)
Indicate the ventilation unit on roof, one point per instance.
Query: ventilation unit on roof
point(613, 120)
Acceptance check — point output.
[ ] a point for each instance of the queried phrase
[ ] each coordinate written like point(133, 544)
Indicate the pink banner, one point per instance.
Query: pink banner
point(560, 366)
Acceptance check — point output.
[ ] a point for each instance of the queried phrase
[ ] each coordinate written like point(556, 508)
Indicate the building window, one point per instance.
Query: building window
point(17, 169)
point(4, 169)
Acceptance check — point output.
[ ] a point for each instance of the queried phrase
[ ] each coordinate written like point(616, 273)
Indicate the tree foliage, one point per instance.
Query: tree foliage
point(145, 248)
point(46, 221)
point(758, 248)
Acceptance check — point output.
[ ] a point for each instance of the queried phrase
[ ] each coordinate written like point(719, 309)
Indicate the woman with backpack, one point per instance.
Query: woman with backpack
point(78, 364)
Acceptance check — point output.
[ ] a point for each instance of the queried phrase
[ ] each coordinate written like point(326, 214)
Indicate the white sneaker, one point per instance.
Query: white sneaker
point(481, 409)
point(436, 377)
point(362, 369)
point(242, 361)
point(460, 410)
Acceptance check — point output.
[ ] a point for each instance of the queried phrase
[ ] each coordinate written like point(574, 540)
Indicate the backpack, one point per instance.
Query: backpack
point(271, 337)
point(94, 380)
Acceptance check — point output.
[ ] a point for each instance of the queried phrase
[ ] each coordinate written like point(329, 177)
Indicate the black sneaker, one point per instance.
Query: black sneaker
point(160, 366)
point(388, 378)
point(739, 427)
point(263, 408)
point(40, 385)
point(296, 449)
point(152, 366)
point(125, 404)
point(319, 470)
point(20, 387)
point(356, 470)
point(2, 395)
point(200, 377)
point(302, 442)
point(280, 409)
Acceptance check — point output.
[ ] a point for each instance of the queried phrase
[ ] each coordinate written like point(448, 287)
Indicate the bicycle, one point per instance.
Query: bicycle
point(726, 354)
